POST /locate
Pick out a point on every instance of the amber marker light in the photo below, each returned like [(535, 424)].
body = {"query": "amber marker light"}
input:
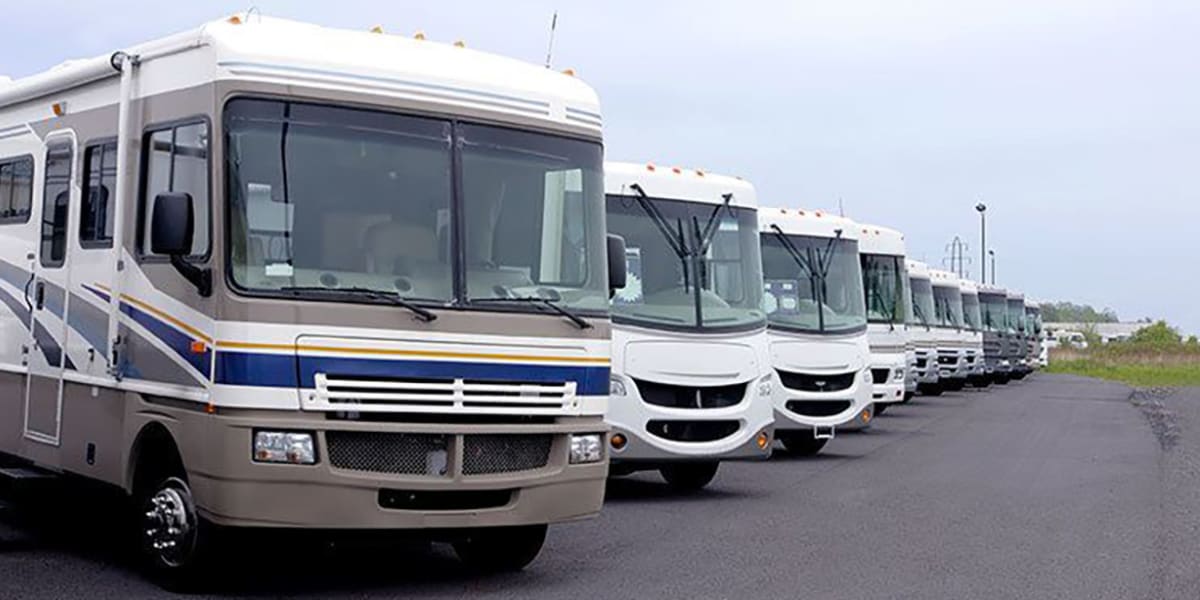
[(762, 440), (618, 441)]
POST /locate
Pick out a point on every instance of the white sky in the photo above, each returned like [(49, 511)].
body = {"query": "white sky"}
[(1077, 122)]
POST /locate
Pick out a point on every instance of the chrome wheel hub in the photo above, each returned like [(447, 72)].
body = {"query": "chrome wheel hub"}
[(169, 526)]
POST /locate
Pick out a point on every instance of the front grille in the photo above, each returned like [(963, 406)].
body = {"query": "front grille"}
[(971, 359), (683, 396), (947, 360), (395, 453), (818, 408), (354, 394), (692, 431), (880, 375), (921, 363), (489, 454), (809, 382)]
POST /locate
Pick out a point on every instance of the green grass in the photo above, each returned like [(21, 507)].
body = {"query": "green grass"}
[(1137, 374)]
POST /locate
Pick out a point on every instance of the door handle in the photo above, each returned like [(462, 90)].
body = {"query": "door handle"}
[(40, 295)]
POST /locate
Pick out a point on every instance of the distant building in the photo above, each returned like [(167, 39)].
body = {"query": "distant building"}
[(1107, 331)]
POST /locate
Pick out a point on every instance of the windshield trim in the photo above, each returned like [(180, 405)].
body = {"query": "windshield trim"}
[(458, 301), (624, 321), (848, 331)]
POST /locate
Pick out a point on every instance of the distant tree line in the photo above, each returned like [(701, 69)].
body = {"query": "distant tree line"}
[(1069, 312)]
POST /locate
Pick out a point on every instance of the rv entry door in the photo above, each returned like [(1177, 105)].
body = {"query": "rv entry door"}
[(48, 291)]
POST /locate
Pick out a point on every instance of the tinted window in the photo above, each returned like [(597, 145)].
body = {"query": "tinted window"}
[(100, 185), (16, 190), (55, 200), (176, 160)]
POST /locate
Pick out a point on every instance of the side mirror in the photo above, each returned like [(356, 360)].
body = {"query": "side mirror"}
[(172, 228), (171, 224), (616, 264)]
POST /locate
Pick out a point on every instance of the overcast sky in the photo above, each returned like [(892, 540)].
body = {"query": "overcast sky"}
[(1077, 122)]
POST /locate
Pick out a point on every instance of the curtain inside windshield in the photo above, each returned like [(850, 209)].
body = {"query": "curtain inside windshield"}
[(922, 299), (994, 312), (884, 280), (822, 272), (971, 316), (947, 306), (680, 277)]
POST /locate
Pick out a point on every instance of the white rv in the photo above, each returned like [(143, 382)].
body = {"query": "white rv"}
[(972, 334), (1018, 343), (691, 378), (885, 287), (817, 323), (997, 356), (268, 274), (948, 325), (920, 331)]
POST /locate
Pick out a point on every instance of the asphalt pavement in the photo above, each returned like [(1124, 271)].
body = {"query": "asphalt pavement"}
[(1055, 487)]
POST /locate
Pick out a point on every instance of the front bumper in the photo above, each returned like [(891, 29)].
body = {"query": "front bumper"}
[(233, 490), (926, 366), (857, 412), (632, 417)]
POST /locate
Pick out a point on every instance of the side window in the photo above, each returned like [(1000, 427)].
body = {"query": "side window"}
[(100, 187), (16, 190), (56, 199), (176, 160)]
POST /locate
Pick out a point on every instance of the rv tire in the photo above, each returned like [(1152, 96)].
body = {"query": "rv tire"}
[(689, 476), (501, 549), (801, 442)]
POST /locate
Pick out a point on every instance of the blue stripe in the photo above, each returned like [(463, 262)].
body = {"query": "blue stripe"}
[(243, 368), (177, 341), (276, 370)]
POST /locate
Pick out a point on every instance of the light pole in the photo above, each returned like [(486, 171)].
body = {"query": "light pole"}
[(992, 253), (982, 208)]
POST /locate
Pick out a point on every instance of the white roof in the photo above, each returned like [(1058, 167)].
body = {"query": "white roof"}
[(968, 287), (987, 288), (944, 278), (876, 239), (1015, 295), (257, 48), (802, 221), (917, 269), (677, 183)]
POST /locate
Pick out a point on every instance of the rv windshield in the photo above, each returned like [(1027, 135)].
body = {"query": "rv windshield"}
[(326, 197), (922, 299), (971, 314), (884, 281), (661, 289), (947, 306), (994, 312), (1016, 315), (795, 288)]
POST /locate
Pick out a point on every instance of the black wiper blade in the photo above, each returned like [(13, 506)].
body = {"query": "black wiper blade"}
[(579, 321), (419, 312)]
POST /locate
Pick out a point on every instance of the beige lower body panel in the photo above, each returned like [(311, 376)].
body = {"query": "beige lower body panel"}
[(233, 490)]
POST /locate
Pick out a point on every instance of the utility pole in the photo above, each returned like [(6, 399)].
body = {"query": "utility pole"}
[(982, 208)]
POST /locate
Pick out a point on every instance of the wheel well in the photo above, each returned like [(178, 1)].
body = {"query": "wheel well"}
[(154, 456)]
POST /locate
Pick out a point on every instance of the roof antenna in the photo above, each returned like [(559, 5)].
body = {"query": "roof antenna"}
[(550, 47), (841, 210)]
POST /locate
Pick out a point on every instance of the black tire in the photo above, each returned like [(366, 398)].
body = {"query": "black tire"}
[(501, 549), (907, 396), (1000, 379), (955, 385), (176, 545), (802, 443), (932, 389), (689, 476), (880, 409), (981, 381)]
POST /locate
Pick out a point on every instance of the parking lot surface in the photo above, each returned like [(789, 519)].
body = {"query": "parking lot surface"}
[(1055, 487)]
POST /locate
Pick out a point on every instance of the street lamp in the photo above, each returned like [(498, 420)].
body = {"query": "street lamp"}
[(992, 253), (982, 208)]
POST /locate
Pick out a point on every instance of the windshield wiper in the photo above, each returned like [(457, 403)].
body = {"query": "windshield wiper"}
[(921, 315), (421, 313), (539, 301), (676, 242)]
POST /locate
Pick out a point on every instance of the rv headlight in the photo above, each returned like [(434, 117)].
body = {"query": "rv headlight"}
[(284, 447), (898, 374), (866, 376), (616, 387), (586, 448), (764, 385)]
